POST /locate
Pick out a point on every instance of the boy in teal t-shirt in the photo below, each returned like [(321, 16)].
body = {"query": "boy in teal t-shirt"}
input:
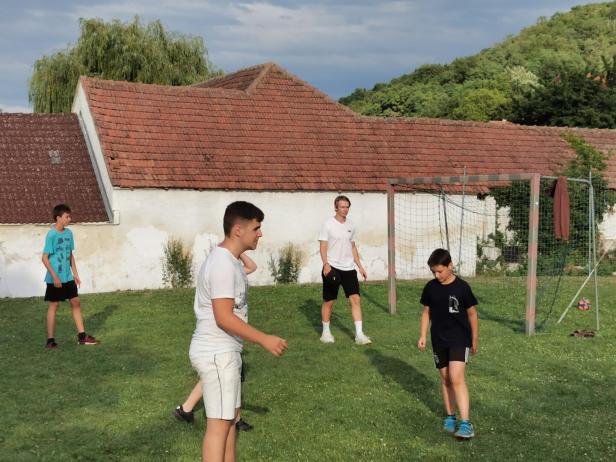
[(62, 278)]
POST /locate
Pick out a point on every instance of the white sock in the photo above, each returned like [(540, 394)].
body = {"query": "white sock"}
[(358, 328), (326, 327)]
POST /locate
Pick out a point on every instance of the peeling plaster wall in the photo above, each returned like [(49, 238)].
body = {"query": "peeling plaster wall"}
[(129, 255)]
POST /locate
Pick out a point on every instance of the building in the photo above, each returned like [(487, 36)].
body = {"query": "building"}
[(152, 162)]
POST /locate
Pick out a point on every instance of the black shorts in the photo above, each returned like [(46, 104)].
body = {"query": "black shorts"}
[(59, 294), (336, 278), (443, 355)]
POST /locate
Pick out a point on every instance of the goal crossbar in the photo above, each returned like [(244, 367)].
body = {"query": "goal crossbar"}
[(534, 181)]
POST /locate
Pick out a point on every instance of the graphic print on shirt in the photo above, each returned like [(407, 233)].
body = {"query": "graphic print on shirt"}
[(454, 304)]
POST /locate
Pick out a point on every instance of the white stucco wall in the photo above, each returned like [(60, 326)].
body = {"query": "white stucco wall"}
[(129, 255)]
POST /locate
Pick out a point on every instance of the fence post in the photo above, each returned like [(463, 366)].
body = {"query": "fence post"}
[(533, 234), (391, 247)]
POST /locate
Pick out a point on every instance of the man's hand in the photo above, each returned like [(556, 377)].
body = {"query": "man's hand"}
[(77, 280), (421, 343), (474, 347), (363, 273), (326, 269), (57, 282), (275, 345)]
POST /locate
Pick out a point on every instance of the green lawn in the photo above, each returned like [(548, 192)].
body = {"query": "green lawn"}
[(546, 398)]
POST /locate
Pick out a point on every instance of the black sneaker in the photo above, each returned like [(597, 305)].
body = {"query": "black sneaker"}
[(242, 425), (86, 340), (51, 344), (183, 416)]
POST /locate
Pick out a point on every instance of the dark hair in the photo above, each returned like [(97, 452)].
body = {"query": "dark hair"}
[(240, 210), (60, 210), (439, 257), (341, 198)]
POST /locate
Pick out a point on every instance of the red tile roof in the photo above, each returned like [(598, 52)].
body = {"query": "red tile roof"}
[(264, 129), (44, 161)]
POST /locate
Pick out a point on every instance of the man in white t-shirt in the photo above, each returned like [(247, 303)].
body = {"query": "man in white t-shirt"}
[(221, 310), (340, 257)]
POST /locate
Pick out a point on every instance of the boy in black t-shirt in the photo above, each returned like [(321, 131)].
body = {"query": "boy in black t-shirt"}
[(450, 311)]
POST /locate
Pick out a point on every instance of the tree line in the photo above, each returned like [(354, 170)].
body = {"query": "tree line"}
[(559, 72)]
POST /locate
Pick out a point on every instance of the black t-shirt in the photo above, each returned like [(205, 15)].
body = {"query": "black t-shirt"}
[(448, 304)]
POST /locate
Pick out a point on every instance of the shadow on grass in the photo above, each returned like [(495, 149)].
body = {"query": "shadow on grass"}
[(261, 410), (370, 298), (311, 309), (410, 379), (99, 319), (516, 325)]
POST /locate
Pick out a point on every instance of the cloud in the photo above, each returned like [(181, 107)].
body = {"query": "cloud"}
[(336, 45)]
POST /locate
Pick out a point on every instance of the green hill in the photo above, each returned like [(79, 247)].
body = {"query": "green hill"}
[(548, 74)]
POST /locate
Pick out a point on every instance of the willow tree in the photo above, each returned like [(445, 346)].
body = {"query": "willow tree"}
[(118, 51)]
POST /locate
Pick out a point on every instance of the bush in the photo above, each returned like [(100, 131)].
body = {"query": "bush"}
[(177, 265), (285, 269)]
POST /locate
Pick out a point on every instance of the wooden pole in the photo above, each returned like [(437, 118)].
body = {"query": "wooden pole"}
[(391, 248), (533, 235)]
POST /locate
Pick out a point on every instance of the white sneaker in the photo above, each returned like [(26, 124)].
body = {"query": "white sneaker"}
[(327, 337), (362, 339)]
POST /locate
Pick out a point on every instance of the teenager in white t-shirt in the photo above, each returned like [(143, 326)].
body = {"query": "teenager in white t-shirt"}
[(340, 257), (185, 411), (221, 310)]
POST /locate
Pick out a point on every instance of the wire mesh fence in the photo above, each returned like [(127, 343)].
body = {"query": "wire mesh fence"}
[(486, 226)]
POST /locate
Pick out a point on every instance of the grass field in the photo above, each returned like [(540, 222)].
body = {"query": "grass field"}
[(546, 398)]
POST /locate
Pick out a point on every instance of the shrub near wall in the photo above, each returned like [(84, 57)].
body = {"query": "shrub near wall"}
[(177, 265), (285, 269)]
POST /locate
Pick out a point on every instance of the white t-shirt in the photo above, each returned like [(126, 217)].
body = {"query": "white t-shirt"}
[(221, 276), (339, 237)]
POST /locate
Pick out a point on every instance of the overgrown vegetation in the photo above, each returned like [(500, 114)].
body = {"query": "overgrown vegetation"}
[(560, 71), (177, 265), (572, 254), (286, 267), (118, 51)]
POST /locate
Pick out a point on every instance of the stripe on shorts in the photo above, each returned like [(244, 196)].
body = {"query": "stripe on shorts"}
[(219, 385)]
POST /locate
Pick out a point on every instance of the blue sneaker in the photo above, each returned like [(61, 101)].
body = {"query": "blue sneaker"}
[(465, 430), (449, 424)]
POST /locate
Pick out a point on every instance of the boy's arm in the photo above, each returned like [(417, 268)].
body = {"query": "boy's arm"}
[(362, 271), (230, 323), (323, 252), (249, 265), (473, 319), (74, 268), (423, 328), (54, 276)]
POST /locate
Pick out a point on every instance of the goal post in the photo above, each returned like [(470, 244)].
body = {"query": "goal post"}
[(495, 224)]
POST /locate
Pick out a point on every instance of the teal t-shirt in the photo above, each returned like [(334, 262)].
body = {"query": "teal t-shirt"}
[(58, 246)]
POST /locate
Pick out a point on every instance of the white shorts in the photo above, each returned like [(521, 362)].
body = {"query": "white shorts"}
[(222, 386)]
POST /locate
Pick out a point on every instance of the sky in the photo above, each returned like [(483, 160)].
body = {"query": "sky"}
[(336, 45)]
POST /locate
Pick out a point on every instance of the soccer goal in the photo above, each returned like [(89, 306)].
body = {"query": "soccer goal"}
[(500, 225)]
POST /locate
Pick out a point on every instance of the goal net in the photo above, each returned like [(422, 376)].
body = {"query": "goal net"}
[(497, 226)]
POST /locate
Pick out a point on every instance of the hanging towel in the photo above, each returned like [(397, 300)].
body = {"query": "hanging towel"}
[(561, 209)]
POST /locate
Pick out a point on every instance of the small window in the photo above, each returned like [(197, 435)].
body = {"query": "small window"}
[(54, 155)]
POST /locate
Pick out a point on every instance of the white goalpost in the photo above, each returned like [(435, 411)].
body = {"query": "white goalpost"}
[(499, 225)]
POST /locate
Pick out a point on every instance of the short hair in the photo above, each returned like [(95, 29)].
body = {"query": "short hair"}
[(341, 198), (439, 257), (240, 210), (60, 210)]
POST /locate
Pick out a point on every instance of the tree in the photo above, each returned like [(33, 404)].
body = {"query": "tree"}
[(482, 104), (118, 51), (496, 82), (571, 99)]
